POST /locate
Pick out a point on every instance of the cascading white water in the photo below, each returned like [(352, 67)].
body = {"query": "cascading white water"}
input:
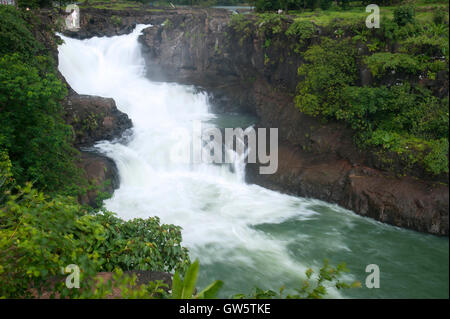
[(220, 214)]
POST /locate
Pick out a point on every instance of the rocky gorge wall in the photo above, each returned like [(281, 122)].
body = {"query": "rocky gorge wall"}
[(316, 159)]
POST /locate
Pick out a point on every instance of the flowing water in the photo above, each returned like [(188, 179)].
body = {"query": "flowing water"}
[(243, 234)]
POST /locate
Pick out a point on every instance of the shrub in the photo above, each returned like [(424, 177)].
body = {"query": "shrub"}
[(329, 68), (270, 23), (384, 62), (39, 235), (439, 16), (404, 15), (115, 20), (15, 35), (35, 135), (436, 160), (301, 29), (141, 244), (404, 119), (33, 132), (434, 46)]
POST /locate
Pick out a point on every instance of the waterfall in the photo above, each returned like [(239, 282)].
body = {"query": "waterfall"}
[(243, 234)]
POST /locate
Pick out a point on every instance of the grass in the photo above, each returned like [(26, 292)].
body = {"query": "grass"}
[(116, 5), (123, 4), (424, 13)]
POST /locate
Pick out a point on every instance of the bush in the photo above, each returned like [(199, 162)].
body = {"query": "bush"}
[(439, 16), (385, 62), (404, 15), (15, 35), (435, 46), (270, 23), (115, 20), (301, 29), (404, 119), (436, 160), (34, 133), (31, 125), (141, 244), (329, 68), (39, 236)]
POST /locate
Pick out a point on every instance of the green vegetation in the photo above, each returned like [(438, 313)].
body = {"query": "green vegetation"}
[(382, 63), (400, 116), (115, 20), (32, 130), (40, 235), (397, 115), (404, 15), (314, 287)]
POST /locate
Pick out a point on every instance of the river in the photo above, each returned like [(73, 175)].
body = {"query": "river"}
[(243, 234)]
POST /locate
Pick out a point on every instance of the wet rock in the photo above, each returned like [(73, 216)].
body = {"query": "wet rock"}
[(102, 176), (403, 202), (94, 118), (365, 76)]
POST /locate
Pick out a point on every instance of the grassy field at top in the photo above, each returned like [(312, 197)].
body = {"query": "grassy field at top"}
[(424, 13)]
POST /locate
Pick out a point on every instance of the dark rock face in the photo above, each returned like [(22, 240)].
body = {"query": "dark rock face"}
[(94, 118), (101, 173), (102, 22), (315, 159), (404, 202), (143, 277)]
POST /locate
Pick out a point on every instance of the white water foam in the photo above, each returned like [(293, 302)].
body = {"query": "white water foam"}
[(215, 207)]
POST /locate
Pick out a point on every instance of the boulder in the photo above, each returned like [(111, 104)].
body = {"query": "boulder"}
[(94, 118), (102, 176)]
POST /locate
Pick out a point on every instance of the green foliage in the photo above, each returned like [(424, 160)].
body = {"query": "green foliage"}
[(273, 5), (404, 15), (439, 17), (314, 287), (330, 67), (15, 36), (240, 23), (115, 20), (325, 4), (37, 140), (436, 160), (385, 62), (39, 235), (434, 46), (32, 4), (31, 125), (270, 24), (185, 288), (242, 26), (405, 119), (301, 29), (141, 244)]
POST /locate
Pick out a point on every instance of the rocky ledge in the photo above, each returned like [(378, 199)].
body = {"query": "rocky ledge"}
[(94, 118)]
